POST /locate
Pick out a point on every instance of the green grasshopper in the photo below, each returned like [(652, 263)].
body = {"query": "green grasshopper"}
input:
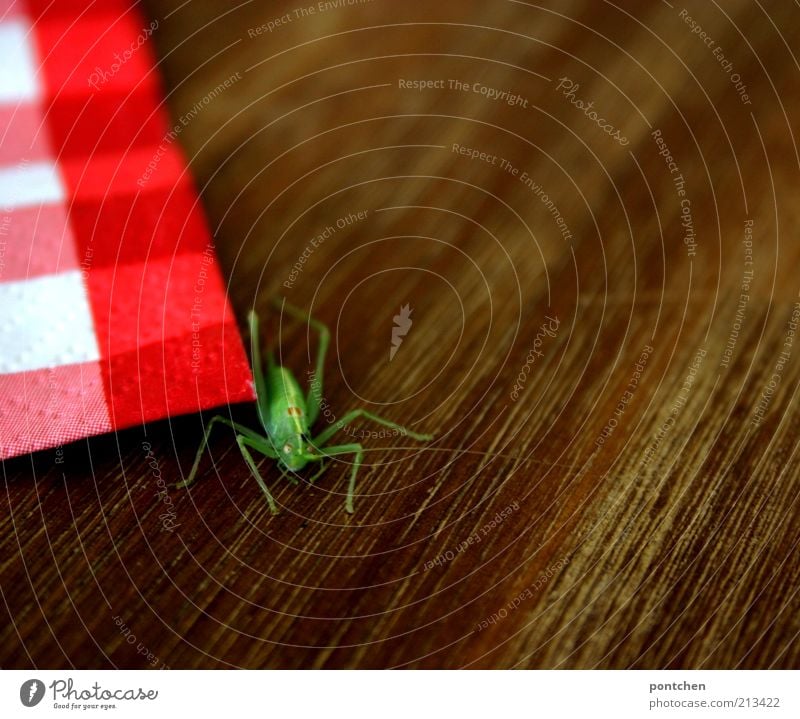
[(286, 417)]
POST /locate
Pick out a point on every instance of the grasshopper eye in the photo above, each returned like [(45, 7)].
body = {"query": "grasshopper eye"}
[(287, 448)]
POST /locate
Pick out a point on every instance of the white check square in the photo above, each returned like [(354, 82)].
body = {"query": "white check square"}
[(30, 184), (17, 70), (45, 322)]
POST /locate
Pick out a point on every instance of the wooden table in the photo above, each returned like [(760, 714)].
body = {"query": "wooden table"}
[(601, 338)]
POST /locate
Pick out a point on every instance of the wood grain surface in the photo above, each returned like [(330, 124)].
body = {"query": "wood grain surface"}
[(602, 342)]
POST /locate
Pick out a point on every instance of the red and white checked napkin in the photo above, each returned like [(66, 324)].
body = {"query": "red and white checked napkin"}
[(113, 312)]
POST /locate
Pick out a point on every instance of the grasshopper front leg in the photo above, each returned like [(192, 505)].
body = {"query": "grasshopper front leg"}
[(259, 446), (358, 451)]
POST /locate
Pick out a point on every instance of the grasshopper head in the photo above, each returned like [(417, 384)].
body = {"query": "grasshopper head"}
[(294, 452)]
